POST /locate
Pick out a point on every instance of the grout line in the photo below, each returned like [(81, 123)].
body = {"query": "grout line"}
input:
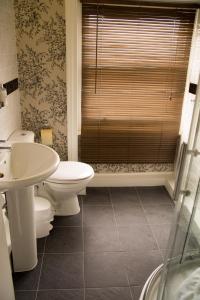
[(117, 229), (157, 224), (138, 196), (25, 291), (153, 235), (130, 289), (106, 287), (75, 289), (44, 244), (156, 242), (40, 273), (70, 289), (83, 240), (67, 253), (102, 204), (115, 219), (81, 252), (61, 226)]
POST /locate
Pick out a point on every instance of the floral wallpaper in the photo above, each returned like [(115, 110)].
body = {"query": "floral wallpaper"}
[(40, 30)]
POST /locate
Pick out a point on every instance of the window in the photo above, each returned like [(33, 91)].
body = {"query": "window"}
[(134, 71)]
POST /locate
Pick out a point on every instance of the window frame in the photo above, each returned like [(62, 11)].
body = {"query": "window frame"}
[(73, 13)]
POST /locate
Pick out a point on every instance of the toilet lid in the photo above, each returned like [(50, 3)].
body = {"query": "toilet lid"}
[(71, 171)]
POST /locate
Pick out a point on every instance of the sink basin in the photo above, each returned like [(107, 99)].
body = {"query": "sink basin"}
[(26, 164)]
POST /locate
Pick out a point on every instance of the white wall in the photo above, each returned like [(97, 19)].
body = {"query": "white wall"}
[(10, 118), (193, 76)]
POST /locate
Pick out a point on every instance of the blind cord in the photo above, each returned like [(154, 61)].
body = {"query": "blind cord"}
[(96, 55)]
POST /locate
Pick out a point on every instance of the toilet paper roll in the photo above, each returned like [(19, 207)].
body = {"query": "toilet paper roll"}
[(46, 136)]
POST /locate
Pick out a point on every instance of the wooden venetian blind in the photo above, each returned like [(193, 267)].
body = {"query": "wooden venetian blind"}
[(134, 71)]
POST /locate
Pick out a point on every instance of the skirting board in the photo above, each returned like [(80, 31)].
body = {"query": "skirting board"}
[(130, 179), (169, 185)]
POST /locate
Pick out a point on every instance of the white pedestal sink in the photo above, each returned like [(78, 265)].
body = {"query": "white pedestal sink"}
[(24, 165)]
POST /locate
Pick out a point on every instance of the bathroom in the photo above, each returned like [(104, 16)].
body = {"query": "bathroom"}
[(109, 248)]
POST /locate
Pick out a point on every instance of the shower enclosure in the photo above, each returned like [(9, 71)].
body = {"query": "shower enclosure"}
[(179, 277)]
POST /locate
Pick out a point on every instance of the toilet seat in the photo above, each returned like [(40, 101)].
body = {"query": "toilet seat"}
[(71, 172)]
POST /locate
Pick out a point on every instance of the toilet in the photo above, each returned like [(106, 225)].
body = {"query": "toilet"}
[(67, 181), (62, 187)]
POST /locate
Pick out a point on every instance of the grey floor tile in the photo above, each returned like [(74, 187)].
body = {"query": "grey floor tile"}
[(26, 295), (40, 245), (124, 195), (136, 237), (115, 293), (161, 233), (98, 216), (106, 265), (97, 190), (27, 280), (136, 291), (101, 239), (105, 269), (159, 214), (97, 196), (62, 271), (60, 221), (140, 264), (129, 215), (154, 195), (64, 240), (128, 190), (61, 295)]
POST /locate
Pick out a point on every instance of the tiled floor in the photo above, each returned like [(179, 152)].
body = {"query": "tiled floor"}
[(104, 253)]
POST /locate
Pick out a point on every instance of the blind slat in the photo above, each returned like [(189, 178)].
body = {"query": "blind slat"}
[(133, 80)]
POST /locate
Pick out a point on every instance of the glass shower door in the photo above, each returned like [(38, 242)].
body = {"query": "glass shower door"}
[(181, 274)]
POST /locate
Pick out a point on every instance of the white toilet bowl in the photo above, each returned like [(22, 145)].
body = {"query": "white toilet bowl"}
[(66, 182)]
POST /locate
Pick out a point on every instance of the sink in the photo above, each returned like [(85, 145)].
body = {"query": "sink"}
[(26, 164), (21, 167)]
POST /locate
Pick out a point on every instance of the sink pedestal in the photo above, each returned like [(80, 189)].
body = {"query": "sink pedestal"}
[(20, 204)]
